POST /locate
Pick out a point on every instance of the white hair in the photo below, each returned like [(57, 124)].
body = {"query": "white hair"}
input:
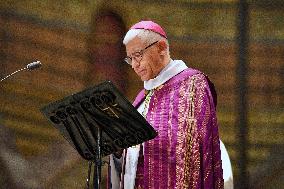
[(146, 36)]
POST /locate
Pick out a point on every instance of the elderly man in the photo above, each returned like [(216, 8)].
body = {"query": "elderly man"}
[(179, 102)]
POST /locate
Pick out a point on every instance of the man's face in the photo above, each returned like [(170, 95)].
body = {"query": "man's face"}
[(150, 65)]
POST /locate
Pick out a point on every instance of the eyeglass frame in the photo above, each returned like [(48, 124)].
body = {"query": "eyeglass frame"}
[(139, 56)]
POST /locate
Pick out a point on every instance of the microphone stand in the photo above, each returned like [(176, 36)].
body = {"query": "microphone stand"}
[(13, 74)]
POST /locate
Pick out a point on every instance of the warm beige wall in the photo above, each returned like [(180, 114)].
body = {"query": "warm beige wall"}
[(202, 34)]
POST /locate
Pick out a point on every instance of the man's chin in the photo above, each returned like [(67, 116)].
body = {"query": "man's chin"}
[(144, 78)]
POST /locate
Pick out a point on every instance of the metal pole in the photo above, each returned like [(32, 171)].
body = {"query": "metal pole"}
[(241, 74), (98, 163), (89, 175)]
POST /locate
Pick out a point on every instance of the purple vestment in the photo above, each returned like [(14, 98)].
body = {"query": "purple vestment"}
[(186, 153)]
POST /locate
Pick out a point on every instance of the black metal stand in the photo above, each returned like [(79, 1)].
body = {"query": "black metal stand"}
[(89, 175), (98, 165), (97, 175), (97, 122)]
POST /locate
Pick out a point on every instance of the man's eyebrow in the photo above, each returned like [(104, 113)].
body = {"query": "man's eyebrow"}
[(135, 51)]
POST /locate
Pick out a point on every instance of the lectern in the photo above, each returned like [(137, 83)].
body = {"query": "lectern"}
[(97, 122)]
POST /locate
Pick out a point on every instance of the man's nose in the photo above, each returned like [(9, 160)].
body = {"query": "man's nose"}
[(135, 63)]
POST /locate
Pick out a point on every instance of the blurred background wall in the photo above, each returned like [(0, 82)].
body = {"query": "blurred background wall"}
[(80, 45)]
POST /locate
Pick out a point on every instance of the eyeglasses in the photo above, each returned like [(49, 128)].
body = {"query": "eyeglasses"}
[(137, 56)]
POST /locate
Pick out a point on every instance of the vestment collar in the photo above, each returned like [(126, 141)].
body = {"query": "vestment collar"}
[(173, 68)]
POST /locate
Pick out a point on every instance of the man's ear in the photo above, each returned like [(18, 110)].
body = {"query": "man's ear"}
[(162, 45)]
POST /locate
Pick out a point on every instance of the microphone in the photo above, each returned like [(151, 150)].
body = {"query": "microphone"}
[(30, 66), (34, 65)]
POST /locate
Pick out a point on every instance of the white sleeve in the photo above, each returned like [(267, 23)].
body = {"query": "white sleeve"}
[(114, 171), (227, 168)]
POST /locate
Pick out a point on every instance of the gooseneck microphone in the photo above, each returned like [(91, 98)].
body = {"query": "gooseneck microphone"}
[(33, 65), (30, 66)]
